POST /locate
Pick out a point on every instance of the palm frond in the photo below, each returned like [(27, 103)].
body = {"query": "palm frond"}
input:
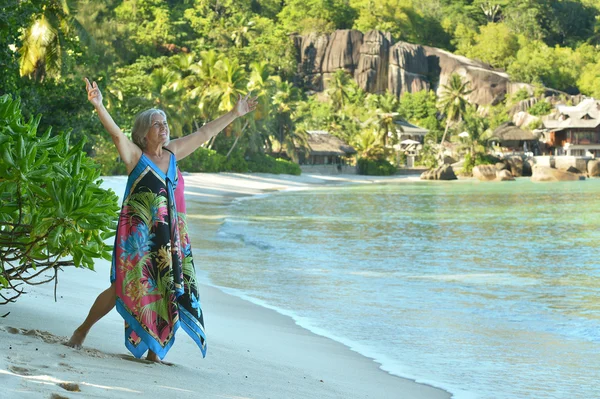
[(160, 307)]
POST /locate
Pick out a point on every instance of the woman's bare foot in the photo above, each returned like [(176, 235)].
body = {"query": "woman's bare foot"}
[(77, 339)]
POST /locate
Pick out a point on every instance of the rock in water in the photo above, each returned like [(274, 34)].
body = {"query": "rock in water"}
[(504, 175), (485, 172), (545, 173), (515, 164), (445, 172), (593, 168)]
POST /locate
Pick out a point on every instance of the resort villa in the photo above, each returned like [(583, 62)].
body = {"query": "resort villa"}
[(410, 140), (328, 154), (574, 131)]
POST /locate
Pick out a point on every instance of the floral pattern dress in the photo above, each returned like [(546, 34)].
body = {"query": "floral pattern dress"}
[(152, 265)]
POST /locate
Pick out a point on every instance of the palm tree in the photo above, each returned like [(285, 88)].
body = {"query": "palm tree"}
[(283, 121), (242, 30), (263, 85), (338, 89), (167, 93), (385, 117), (453, 102), (43, 52), (478, 131)]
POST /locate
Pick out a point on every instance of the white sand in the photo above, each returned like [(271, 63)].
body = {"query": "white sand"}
[(253, 352)]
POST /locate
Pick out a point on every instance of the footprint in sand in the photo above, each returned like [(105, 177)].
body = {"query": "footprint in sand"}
[(69, 386), (45, 336), (20, 370), (143, 361)]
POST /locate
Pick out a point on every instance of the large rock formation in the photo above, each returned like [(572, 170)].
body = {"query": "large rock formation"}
[(491, 173), (372, 70), (544, 173), (378, 65), (593, 168), (444, 172), (408, 69)]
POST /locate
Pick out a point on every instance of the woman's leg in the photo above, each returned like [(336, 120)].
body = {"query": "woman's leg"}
[(152, 357), (103, 304)]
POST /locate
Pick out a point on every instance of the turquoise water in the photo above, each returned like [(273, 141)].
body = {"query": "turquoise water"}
[(489, 290)]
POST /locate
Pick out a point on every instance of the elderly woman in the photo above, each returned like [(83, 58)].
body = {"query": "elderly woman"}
[(153, 280)]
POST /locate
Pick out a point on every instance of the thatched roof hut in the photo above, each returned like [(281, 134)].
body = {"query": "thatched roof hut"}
[(323, 143), (508, 132)]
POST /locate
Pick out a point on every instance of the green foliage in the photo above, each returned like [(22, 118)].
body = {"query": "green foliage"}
[(535, 124), (402, 19), (420, 108), (495, 44), (304, 16), (557, 67), (589, 80), (470, 161), (468, 165), (540, 108), (203, 160), (146, 24), (53, 212), (192, 59), (497, 115), (236, 163), (51, 40), (520, 95), (375, 167), (429, 155), (261, 163), (14, 15), (105, 154)]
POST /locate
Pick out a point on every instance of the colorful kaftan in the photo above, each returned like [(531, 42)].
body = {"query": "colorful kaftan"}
[(152, 265)]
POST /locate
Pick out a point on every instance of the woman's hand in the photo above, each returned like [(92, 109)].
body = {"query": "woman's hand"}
[(94, 95), (245, 105)]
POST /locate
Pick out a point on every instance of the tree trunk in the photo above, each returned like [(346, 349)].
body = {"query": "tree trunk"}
[(441, 154), (237, 139)]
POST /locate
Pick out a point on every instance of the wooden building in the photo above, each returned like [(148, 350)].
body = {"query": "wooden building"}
[(574, 131), (408, 131), (512, 138), (325, 149)]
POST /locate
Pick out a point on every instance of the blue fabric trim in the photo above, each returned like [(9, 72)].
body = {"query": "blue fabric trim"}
[(192, 330), (148, 342)]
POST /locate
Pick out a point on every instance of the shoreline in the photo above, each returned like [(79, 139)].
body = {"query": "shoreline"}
[(253, 351), (273, 184)]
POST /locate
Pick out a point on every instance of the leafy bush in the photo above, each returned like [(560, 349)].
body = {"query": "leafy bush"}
[(236, 163), (53, 212), (209, 161), (203, 160), (535, 124), (106, 155), (521, 94), (540, 108), (479, 159), (261, 163), (375, 167)]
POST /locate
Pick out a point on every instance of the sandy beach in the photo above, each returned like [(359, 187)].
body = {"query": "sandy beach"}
[(253, 352)]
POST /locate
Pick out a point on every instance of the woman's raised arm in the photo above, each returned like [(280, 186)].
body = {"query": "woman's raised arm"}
[(128, 151), (184, 146)]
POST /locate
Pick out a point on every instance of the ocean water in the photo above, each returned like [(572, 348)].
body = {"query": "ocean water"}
[(488, 290)]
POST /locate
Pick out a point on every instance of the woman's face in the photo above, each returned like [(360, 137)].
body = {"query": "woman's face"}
[(158, 134)]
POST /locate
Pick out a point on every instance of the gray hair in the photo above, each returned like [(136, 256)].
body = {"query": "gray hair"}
[(142, 124)]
